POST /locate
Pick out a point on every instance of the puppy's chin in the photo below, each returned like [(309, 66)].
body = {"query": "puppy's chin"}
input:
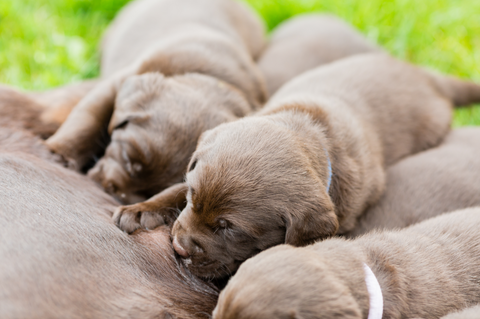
[(111, 186)]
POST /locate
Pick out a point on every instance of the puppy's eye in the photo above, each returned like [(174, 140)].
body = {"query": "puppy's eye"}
[(222, 223), (192, 167), (121, 125)]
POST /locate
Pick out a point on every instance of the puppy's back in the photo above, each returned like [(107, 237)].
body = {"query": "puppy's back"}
[(142, 23), (425, 185), (308, 41)]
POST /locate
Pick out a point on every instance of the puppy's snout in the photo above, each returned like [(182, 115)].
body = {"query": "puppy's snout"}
[(185, 246), (179, 248)]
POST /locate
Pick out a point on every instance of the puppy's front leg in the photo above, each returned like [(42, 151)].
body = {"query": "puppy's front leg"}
[(79, 137), (159, 210)]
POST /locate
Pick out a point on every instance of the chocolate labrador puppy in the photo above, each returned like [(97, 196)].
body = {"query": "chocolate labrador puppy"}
[(172, 70), (307, 165), (42, 112), (63, 258), (433, 182), (425, 271), (305, 42)]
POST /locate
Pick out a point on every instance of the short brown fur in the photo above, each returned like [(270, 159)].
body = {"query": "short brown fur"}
[(172, 69), (305, 42), (439, 180), (263, 180), (425, 271)]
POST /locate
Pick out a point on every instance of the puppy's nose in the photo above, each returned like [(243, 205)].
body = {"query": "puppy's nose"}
[(179, 249)]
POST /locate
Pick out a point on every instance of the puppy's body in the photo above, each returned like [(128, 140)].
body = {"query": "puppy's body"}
[(424, 271), (305, 42), (17, 110), (144, 22), (199, 58), (310, 162), (433, 182), (63, 258), (41, 113)]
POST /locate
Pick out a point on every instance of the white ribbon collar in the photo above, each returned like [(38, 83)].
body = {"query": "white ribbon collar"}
[(375, 292)]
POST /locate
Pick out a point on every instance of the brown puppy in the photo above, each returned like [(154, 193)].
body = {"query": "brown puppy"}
[(433, 182), (305, 42), (425, 271), (309, 163), (201, 54), (19, 111), (40, 112), (59, 102), (469, 313), (63, 258)]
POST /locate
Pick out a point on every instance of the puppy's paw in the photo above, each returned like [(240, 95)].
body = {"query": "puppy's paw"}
[(132, 217), (63, 160)]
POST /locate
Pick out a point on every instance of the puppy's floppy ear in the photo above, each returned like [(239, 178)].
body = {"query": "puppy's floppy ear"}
[(77, 140), (306, 227)]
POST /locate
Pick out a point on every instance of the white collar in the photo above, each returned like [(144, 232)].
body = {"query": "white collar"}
[(375, 292)]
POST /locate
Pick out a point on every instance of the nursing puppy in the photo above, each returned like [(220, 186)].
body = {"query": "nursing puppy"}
[(309, 163), (173, 69), (430, 183), (63, 258), (425, 271), (305, 42)]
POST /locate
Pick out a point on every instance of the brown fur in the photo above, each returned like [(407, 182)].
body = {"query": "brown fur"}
[(433, 182), (305, 42), (425, 271), (262, 181), (40, 112), (63, 258), (172, 70), (59, 102), (20, 111)]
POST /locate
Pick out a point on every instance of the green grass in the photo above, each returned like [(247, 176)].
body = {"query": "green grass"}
[(44, 43)]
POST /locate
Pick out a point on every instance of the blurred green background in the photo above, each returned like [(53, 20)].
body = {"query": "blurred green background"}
[(45, 43)]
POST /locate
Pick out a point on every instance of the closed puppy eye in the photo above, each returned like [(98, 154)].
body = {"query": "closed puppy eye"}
[(192, 167), (122, 124)]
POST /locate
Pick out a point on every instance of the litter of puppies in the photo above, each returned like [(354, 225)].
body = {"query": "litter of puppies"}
[(211, 173)]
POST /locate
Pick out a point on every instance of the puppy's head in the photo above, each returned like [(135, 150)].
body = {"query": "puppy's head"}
[(287, 283), (155, 128), (251, 186)]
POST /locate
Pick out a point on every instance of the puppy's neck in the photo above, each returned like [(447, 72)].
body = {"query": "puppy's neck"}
[(347, 263)]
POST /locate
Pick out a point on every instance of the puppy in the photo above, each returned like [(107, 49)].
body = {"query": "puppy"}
[(425, 271), (63, 258), (173, 69), (59, 102), (433, 182), (40, 112), (469, 313), (309, 163), (305, 42), (18, 110)]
